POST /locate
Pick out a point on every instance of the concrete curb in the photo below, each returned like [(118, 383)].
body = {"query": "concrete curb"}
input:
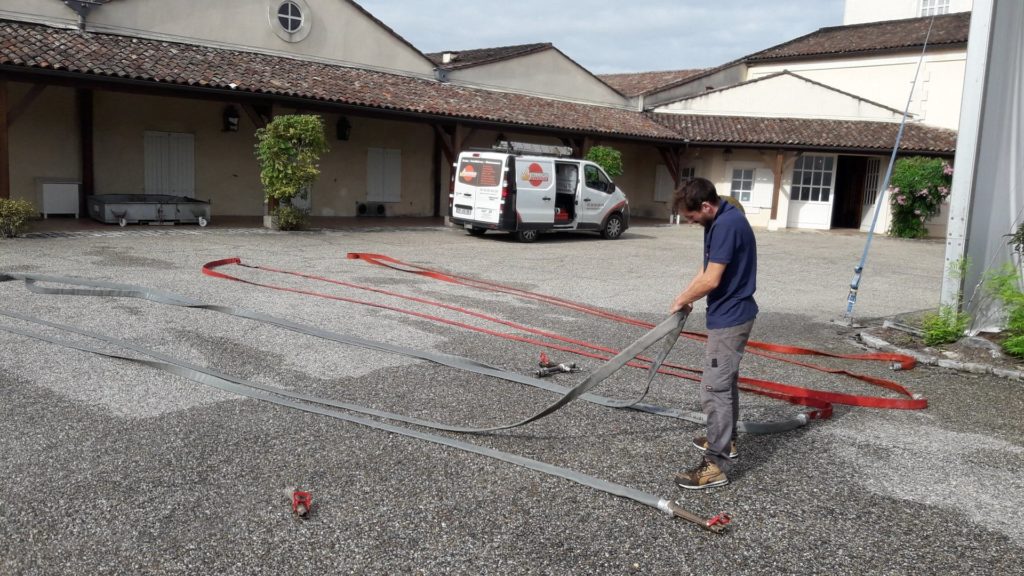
[(972, 367)]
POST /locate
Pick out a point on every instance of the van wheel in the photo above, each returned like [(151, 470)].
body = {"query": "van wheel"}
[(612, 227), (527, 235), (477, 231)]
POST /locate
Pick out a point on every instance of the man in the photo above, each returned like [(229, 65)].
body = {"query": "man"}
[(728, 278)]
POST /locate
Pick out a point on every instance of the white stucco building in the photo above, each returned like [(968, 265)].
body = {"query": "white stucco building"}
[(150, 96)]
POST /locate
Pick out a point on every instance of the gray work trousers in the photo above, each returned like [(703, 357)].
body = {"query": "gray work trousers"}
[(719, 391)]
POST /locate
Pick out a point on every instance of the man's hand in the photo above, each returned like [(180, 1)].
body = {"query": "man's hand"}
[(676, 306)]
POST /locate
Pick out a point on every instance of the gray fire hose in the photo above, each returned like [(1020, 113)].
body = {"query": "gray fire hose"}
[(669, 330)]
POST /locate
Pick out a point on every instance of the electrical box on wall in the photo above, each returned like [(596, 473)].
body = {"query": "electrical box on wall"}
[(58, 197)]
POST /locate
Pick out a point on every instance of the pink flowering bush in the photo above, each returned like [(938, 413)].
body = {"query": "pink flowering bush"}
[(918, 188)]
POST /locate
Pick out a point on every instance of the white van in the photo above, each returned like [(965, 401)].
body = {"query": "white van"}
[(510, 190)]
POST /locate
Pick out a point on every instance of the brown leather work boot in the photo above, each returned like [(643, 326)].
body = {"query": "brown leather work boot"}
[(705, 475)]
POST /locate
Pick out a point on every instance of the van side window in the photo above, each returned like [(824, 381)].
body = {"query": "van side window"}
[(595, 179)]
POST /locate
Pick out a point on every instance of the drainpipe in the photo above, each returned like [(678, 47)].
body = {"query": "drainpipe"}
[(82, 7)]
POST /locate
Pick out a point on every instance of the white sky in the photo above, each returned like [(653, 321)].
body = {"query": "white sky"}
[(608, 36)]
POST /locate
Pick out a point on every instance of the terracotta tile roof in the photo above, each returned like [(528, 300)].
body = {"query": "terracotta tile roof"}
[(808, 133), (637, 83), (841, 41), (33, 47), (890, 35), (480, 56)]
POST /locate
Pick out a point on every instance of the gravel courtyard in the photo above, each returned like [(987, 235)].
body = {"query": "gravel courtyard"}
[(111, 467)]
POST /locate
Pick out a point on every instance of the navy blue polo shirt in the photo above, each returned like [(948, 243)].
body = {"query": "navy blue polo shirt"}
[(730, 241)]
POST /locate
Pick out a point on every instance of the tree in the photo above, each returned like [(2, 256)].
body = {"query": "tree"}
[(607, 158), (289, 150)]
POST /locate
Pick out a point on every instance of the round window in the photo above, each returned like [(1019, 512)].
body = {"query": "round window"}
[(290, 16), (291, 20)]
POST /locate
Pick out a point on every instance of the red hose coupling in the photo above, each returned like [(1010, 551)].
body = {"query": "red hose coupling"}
[(301, 502), (721, 518)]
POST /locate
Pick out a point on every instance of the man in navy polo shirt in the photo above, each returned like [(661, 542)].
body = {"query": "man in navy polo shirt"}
[(728, 278)]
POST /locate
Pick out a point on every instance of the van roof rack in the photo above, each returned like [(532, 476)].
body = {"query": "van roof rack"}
[(530, 148)]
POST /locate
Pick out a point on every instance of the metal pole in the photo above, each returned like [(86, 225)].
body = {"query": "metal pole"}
[(858, 271)]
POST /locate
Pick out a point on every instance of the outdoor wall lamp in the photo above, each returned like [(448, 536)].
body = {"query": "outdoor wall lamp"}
[(343, 128), (231, 119)]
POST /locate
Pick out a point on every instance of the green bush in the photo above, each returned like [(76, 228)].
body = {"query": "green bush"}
[(1004, 284), (607, 158), (290, 218), (917, 189), (1017, 240), (289, 150), (946, 326), (949, 323), (14, 216)]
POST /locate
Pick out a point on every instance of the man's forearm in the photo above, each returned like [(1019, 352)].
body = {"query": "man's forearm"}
[(698, 288)]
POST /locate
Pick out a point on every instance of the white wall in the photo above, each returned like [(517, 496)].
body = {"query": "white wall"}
[(547, 72), (42, 11), (783, 96), (338, 31), (858, 11), (887, 79), (720, 79), (987, 199)]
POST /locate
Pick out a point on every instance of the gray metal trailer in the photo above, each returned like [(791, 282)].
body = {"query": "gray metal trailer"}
[(126, 209)]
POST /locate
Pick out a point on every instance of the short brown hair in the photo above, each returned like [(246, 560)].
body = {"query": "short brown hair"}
[(692, 193)]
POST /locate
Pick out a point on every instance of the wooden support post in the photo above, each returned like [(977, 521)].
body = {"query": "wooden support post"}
[(24, 103), (777, 171), (259, 117), (670, 155), (444, 141), (84, 102), (5, 158)]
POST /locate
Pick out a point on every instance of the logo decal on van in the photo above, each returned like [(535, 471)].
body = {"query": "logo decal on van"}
[(468, 173), (535, 175)]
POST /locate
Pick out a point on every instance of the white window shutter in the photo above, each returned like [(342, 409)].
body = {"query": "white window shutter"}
[(182, 175), (170, 163), (374, 175), (392, 175), (764, 184), (155, 154), (383, 175), (663, 184)]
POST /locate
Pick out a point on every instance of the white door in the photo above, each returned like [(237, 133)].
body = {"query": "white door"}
[(170, 163), (872, 182), (478, 187), (811, 192), (596, 195), (535, 190)]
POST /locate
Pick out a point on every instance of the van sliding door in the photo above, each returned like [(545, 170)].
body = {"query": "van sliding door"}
[(535, 185)]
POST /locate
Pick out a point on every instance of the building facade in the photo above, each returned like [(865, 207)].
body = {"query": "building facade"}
[(158, 98)]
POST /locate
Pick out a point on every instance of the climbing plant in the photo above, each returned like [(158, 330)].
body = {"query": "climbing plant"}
[(917, 189)]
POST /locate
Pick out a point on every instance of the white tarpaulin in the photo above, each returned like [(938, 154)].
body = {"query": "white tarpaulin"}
[(987, 200)]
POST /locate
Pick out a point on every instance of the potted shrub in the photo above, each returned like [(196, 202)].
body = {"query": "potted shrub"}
[(288, 150)]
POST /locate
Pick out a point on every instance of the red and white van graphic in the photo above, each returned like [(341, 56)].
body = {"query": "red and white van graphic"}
[(535, 175)]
